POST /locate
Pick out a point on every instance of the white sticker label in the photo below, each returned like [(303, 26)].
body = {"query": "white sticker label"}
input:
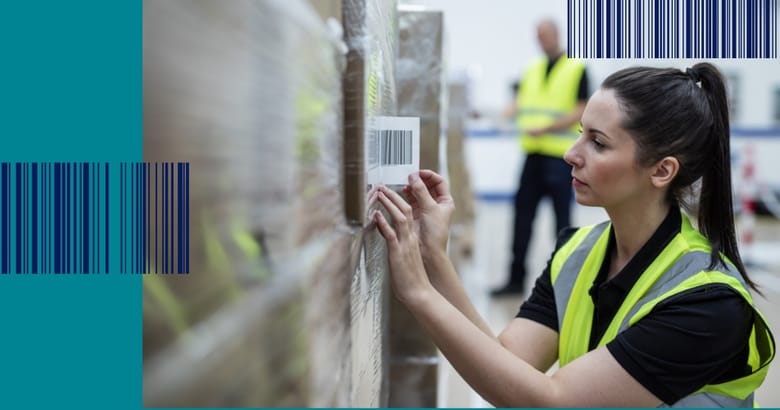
[(392, 149)]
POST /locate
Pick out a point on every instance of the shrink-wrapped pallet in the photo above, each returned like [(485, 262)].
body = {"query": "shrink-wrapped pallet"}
[(249, 93), (419, 74), (370, 32)]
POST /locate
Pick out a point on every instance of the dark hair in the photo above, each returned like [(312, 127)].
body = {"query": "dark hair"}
[(685, 115)]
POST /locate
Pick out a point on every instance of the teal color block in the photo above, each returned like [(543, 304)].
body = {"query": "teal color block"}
[(70, 90)]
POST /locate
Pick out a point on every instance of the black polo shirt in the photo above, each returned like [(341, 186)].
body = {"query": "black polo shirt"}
[(695, 338)]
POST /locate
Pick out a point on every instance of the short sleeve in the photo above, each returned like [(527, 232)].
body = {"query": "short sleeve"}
[(540, 306)]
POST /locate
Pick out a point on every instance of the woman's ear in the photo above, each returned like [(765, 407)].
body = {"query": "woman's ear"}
[(664, 172)]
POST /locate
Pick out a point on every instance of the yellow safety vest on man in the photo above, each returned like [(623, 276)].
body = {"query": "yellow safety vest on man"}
[(544, 98), (681, 266)]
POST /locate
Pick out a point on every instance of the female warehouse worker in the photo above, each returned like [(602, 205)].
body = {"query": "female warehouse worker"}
[(641, 310)]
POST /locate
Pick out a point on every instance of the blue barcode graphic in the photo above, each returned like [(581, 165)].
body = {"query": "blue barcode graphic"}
[(86, 218), (672, 29)]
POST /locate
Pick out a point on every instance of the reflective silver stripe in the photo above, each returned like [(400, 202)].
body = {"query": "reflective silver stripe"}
[(712, 400), (685, 267), (564, 281)]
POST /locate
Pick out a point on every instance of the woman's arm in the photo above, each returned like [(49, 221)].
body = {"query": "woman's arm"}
[(497, 373), (505, 380)]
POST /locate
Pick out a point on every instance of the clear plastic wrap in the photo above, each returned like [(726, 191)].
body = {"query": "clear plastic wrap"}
[(419, 76), (370, 31), (250, 94)]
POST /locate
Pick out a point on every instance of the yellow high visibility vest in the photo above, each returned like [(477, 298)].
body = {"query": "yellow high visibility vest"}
[(542, 99), (682, 265)]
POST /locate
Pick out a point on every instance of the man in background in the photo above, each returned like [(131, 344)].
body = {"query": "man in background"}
[(550, 100)]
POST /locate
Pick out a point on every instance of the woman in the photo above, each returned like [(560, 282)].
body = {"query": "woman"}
[(641, 310)]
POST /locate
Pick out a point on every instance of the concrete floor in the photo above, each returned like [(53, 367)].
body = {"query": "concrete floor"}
[(488, 268)]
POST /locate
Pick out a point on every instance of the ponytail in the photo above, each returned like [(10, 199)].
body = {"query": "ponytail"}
[(695, 130), (716, 209)]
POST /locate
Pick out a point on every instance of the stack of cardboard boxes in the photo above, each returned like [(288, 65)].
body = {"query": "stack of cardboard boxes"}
[(287, 302)]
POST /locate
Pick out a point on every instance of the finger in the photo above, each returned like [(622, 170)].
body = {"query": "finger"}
[(410, 198), (400, 219), (399, 201), (385, 229), (371, 195), (436, 183), (421, 191), (407, 193)]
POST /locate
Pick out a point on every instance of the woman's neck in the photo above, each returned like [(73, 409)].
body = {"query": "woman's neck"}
[(633, 228)]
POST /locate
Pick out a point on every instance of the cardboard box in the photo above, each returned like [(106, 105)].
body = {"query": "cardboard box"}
[(420, 75), (249, 93)]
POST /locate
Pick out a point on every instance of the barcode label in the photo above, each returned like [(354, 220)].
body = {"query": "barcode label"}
[(396, 147), (392, 149), (672, 29), (66, 218)]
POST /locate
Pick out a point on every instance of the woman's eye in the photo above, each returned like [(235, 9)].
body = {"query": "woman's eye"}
[(598, 143)]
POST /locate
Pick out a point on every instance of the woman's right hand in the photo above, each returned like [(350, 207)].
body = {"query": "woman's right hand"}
[(432, 206)]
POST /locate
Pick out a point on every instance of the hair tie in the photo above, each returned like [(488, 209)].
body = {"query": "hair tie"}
[(694, 74)]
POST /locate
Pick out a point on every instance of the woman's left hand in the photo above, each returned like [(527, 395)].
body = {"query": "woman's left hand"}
[(410, 282)]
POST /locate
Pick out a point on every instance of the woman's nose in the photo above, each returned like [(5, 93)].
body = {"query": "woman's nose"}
[(571, 156)]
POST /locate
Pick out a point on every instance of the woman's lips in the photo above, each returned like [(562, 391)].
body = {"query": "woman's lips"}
[(576, 183)]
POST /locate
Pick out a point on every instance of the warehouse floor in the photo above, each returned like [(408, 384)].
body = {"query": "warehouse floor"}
[(488, 268)]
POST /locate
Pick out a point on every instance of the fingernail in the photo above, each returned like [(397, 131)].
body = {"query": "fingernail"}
[(414, 177)]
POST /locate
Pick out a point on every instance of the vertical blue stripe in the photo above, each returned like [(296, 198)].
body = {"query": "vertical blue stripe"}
[(95, 169), (148, 216), (21, 220), (187, 219), (122, 218), (171, 218), (179, 216), (105, 178), (34, 210), (18, 217), (57, 218), (688, 24), (608, 25), (143, 218), (732, 27), (619, 28), (6, 243), (749, 37), (68, 211), (723, 28), (22, 214), (568, 27), (584, 34), (68, 234), (85, 218), (138, 214), (639, 29), (599, 25), (156, 207), (165, 218), (656, 30), (43, 235)]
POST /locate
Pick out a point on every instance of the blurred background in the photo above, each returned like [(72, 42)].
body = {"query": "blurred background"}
[(287, 303)]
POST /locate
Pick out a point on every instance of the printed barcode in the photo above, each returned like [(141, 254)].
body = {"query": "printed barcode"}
[(395, 147), (58, 217), (672, 29)]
